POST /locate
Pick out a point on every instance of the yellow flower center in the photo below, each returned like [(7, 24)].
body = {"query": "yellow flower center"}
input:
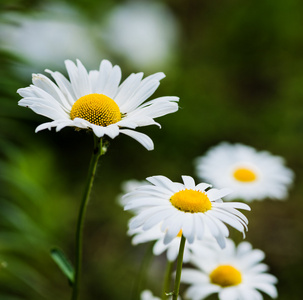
[(97, 109), (191, 201), (245, 175), (225, 275)]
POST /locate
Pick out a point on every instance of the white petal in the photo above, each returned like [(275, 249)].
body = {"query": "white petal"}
[(202, 186), (49, 87), (139, 220), (99, 131), (230, 220), (112, 130), (104, 73), (44, 110), (79, 78), (228, 293), (214, 194), (93, 78), (268, 289), (127, 88), (159, 247), (188, 227), (237, 205), (189, 182), (140, 96), (172, 252), (65, 86), (215, 230), (156, 219), (163, 182), (142, 138), (111, 87)]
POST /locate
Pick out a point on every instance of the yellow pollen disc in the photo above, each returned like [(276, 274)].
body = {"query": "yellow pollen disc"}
[(191, 201), (97, 109), (245, 175), (225, 275)]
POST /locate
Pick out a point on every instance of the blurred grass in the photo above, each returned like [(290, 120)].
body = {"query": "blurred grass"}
[(239, 76)]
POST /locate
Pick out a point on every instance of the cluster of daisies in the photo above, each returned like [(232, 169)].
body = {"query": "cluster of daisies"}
[(164, 211)]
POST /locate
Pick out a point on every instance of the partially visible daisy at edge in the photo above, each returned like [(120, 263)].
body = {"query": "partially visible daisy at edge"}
[(188, 207), (234, 273), (251, 174), (172, 249), (96, 100)]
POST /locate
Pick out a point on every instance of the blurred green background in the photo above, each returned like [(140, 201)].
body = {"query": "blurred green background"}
[(237, 67)]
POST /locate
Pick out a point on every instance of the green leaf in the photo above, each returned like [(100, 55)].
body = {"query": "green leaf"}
[(63, 263)]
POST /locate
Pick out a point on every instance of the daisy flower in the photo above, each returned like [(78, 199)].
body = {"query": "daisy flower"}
[(144, 33), (96, 100), (250, 174), (24, 35), (234, 273), (172, 249), (187, 207)]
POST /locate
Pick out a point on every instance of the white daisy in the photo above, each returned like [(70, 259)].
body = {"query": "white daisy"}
[(252, 175), (234, 273), (187, 207), (96, 100), (24, 35), (144, 33), (172, 248)]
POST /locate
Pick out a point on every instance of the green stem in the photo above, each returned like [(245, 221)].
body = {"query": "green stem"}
[(167, 279), (179, 268), (97, 152)]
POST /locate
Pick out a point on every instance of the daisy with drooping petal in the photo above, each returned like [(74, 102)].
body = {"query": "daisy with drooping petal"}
[(96, 100), (250, 174), (234, 273), (187, 207), (172, 248)]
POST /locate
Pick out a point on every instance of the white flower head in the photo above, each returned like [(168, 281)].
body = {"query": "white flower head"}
[(234, 273), (143, 32), (252, 175), (33, 36), (187, 207), (96, 100), (172, 249)]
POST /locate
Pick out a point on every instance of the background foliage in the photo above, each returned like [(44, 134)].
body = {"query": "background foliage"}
[(238, 69)]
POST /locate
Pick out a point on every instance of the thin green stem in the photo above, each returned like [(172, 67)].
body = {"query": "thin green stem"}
[(97, 152), (167, 279), (179, 268)]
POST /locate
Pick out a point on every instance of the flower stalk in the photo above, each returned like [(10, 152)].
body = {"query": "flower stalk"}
[(167, 279), (179, 268), (98, 151)]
